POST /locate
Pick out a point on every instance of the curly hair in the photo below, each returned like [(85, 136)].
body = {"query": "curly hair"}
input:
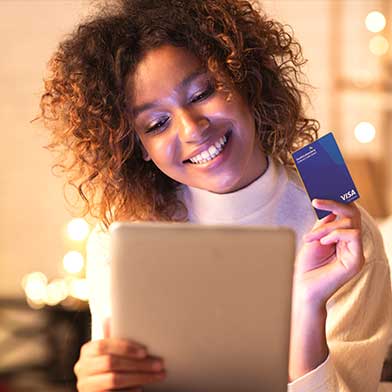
[(84, 104)]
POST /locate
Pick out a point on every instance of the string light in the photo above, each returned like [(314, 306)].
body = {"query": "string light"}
[(78, 229), (78, 288), (375, 21), (34, 285), (73, 262), (365, 132), (40, 293), (378, 45), (56, 291)]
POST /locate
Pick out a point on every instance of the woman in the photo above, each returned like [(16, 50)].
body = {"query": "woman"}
[(188, 111)]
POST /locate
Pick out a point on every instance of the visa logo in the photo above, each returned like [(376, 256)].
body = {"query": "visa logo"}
[(348, 195)]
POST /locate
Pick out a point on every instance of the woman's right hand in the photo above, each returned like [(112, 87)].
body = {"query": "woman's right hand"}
[(112, 363)]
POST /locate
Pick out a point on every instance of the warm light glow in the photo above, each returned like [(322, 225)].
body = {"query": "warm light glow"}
[(379, 45), (78, 229), (56, 291), (375, 21), (35, 305), (34, 285), (73, 262), (79, 289), (362, 78), (365, 132)]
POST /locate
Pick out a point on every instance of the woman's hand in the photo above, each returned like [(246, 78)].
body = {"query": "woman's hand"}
[(331, 255), (111, 363)]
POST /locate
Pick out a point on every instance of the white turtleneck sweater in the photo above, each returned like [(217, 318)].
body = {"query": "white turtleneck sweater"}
[(359, 315)]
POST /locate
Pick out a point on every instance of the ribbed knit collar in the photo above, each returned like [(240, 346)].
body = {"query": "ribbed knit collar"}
[(214, 208)]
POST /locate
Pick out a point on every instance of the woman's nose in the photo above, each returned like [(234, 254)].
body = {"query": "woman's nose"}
[(192, 127)]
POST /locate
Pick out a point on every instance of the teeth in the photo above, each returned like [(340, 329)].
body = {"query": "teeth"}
[(205, 154), (211, 152)]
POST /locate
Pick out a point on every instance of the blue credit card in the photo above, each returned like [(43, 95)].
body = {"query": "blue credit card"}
[(324, 172)]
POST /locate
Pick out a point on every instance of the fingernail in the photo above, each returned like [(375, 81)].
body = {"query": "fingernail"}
[(325, 240)]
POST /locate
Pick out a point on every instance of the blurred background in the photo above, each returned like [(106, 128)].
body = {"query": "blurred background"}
[(44, 316)]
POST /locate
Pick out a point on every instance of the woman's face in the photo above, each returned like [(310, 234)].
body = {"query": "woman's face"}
[(189, 130)]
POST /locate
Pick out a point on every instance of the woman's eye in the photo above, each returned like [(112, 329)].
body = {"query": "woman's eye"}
[(203, 94), (157, 126)]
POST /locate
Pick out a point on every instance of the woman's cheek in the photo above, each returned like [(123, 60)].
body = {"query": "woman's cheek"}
[(163, 150)]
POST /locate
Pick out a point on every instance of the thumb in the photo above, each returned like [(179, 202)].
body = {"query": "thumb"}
[(106, 328)]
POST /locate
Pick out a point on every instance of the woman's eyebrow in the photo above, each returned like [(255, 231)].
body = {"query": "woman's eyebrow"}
[(183, 84)]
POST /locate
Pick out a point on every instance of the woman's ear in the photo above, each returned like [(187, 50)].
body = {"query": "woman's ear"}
[(146, 155)]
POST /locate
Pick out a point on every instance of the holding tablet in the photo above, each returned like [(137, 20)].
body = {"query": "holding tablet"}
[(189, 111)]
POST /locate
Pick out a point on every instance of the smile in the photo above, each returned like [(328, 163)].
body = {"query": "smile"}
[(211, 152)]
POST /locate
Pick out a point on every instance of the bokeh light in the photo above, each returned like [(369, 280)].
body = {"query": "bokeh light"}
[(378, 45), (56, 291), (34, 285), (73, 262), (78, 288), (375, 21), (365, 132), (78, 229)]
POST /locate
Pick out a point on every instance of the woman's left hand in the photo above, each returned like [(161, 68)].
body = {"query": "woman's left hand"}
[(332, 252), (331, 255)]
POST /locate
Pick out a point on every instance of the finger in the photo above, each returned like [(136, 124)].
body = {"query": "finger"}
[(112, 363), (351, 236), (339, 209), (329, 218), (106, 328), (109, 381), (322, 231), (121, 347)]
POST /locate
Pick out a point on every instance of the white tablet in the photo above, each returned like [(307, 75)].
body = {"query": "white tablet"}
[(213, 301)]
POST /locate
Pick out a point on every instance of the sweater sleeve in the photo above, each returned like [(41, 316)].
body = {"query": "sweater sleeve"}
[(98, 278), (359, 318)]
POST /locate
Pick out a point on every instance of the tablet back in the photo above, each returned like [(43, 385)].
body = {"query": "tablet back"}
[(213, 301)]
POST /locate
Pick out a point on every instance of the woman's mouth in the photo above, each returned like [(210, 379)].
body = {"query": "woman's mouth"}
[(211, 152)]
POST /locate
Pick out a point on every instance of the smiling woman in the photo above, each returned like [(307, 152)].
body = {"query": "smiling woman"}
[(179, 122), (177, 110), (90, 103)]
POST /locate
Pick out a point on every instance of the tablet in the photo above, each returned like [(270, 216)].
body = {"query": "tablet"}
[(213, 301)]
